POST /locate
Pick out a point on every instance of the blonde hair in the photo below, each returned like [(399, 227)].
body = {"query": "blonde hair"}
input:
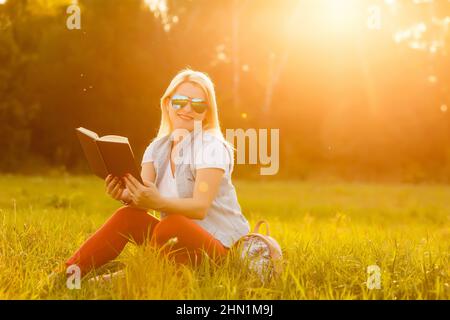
[(201, 79)]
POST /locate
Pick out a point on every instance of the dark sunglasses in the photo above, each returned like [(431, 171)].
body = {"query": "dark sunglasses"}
[(179, 101)]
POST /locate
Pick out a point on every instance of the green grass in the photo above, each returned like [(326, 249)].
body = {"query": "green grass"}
[(330, 233)]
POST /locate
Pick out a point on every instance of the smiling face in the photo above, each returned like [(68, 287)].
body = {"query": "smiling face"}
[(184, 118)]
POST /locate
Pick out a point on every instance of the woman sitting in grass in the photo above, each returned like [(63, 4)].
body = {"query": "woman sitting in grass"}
[(191, 187)]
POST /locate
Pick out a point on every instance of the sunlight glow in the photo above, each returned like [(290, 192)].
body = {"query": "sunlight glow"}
[(342, 18), (413, 36), (160, 10), (157, 6), (342, 13), (2, 1), (432, 79)]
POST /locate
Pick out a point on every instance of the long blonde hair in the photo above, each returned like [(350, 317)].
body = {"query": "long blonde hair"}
[(211, 122)]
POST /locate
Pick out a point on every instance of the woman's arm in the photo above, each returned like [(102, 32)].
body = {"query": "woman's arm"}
[(148, 172), (206, 186)]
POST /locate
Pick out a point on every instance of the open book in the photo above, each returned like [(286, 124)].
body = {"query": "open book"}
[(108, 154)]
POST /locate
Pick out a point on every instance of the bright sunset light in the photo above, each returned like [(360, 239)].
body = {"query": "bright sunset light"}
[(243, 150)]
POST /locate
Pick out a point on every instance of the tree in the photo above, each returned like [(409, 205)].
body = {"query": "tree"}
[(17, 109)]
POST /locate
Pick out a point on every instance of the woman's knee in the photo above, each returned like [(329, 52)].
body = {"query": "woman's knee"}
[(126, 214), (169, 227)]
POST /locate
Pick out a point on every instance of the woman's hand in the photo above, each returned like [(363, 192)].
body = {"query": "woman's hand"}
[(115, 188), (145, 196)]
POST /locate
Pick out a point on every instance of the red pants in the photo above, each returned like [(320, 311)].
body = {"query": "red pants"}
[(129, 223)]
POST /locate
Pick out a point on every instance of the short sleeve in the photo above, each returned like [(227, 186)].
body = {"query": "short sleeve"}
[(148, 154), (213, 153)]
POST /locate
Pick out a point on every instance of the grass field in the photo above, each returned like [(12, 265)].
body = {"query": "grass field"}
[(330, 233)]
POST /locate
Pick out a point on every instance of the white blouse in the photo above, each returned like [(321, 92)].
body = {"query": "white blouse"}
[(212, 154), (224, 219), (168, 187)]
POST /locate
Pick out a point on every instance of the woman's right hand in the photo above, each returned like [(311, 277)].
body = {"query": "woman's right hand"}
[(115, 188)]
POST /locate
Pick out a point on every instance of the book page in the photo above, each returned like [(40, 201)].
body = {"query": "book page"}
[(87, 132), (113, 138)]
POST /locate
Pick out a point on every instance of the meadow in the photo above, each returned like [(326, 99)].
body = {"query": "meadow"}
[(329, 232)]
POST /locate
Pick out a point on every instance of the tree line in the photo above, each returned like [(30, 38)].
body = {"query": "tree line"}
[(360, 107)]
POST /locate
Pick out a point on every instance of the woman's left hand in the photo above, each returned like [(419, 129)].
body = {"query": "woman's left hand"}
[(145, 196)]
